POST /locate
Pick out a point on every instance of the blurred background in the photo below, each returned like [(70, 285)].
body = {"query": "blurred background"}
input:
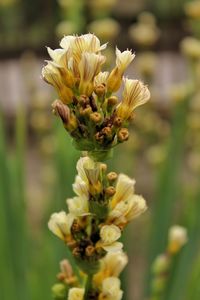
[(37, 160)]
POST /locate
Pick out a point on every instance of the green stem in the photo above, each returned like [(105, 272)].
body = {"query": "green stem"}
[(88, 286)]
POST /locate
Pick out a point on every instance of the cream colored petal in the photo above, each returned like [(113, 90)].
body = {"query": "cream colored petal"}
[(111, 289), (101, 78), (76, 293), (80, 187), (124, 189), (57, 55), (90, 65), (60, 224), (78, 206), (135, 93), (67, 41), (123, 59), (109, 234), (113, 263), (116, 246)]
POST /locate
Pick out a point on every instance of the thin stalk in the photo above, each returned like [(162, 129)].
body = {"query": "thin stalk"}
[(88, 286), (167, 186)]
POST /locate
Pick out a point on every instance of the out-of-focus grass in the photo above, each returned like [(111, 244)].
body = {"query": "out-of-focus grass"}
[(167, 185)]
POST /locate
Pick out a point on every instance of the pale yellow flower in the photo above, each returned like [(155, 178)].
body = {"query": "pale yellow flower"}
[(190, 46), (127, 210), (111, 266), (101, 78), (177, 238), (89, 172), (78, 206), (57, 76), (89, 66), (111, 289), (124, 189), (60, 224), (135, 94), (109, 235), (123, 60), (76, 293), (80, 187)]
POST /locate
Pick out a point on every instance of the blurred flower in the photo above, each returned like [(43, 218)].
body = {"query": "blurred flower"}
[(66, 28), (190, 46), (59, 291), (101, 6), (111, 289), (76, 293), (146, 63), (111, 266), (192, 9), (145, 33), (106, 29), (60, 224), (177, 238)]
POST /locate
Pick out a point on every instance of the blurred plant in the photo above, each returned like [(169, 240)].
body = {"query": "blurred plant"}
[(145, 32), (105, 202), (162, 266)]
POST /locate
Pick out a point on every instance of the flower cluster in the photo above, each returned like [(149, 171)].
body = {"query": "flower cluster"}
[(104, 204), (87, 107)]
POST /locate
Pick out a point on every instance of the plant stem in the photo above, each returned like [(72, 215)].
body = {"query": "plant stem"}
[(88, 286)]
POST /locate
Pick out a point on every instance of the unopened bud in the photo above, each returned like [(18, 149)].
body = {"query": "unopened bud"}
[(61, 110), (75, 227), (86, 111), (112, 176), (112, 101), (161, 264), (107, 131), (110, 191), (83, 100), (100, 89), (123, 135), (177, 238), (89, 251), (59, 291), (76, 252), (99, 137), (103, 167), (96, 117), (117, 121)]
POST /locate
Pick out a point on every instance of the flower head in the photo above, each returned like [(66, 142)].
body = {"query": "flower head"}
[(76, 293), (111, 289), (135, 94), (177, 238), (60, 224), (109, 235)]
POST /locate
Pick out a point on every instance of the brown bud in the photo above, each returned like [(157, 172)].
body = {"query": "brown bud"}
[(112, 101), (89, 251), (117, 121), (123, 135), (110, 191), (96, 117), (100, 90), (75, 227), (107, 131), (83, 100), (76, 252), (72, 244), (86, 111), (99, 137), (61, 276), (61, 110), (112, 176)]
